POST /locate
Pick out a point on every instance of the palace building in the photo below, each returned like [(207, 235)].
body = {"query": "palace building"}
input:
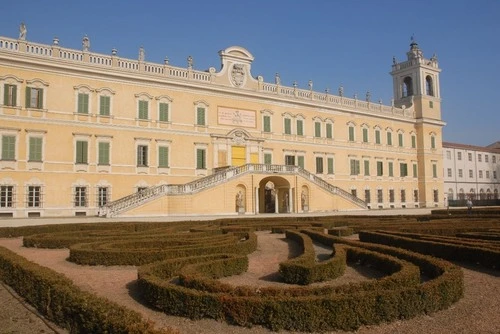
[(92, 134)]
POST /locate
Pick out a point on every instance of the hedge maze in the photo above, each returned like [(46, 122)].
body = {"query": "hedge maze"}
[(180, 264)]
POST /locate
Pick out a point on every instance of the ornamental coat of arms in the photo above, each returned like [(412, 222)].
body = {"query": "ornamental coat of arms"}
[(238, 74)]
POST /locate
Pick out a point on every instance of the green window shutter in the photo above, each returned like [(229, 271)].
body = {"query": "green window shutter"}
[(163, 112), (319, 165), (35, 150), (415, 170), (6, 94), (365, 135), (389, 138), (367, 167), (330, 165), (83, 103), (143, 109), (434, 170), (103, 153), (317, 129), (358, 168), (8, 147), (377, 137), (28, 97), (105, 105), (163, 157), (267, 124), (40, 98), (300, 127), (268, 158), (413, 142), (200, 116), (380, 168), (329, 131), (300, 161), (403, 169), (391, 169), (400, 138), (14, 95), (288, 126), (433, 142), (81, 152), (200, 159), (351, 133)]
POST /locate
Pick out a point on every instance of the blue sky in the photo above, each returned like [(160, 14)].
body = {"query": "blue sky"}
[(332, 43)]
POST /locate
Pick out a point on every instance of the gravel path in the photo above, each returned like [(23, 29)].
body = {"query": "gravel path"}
[(477, 312)]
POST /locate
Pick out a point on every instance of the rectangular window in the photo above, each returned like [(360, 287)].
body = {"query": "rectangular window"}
[(403, 169), (367, 167), (391, 195), (449, 172), (434, 170), (34, 197), (83, 103), (103, 158), (330, 165), (142, 156), (413, 142), (415, 170), (34, 98), (479, 158), (288, 126), (6, 196), (486, 158), (104, 105), (163, 157), (289, 160), (415, 196), (81, 152), (365, 135), (480, 174), (433, 142), (102, 196), (403, 196), (487, 174), (143, 110), (201, 158), (267, 123), (367, 196), (329, 130), (470, 156), (300, 127), (495, 174), (319, 165), (460, 173), (163, 116), (351, 133), (10, 95), (80, 197), (400, 139), (380, 168), (317, 129), (8, 147), (448, 155), (300, 161), (391, 168), (380, 196), (354, 192), (268, 158), (459, 155), (355, 168), (436, 196), (471, 173), (389, 138), (494, 159), (35, 149), (377, 136)]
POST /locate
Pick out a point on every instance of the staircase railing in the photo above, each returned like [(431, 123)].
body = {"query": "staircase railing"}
[(148, 194)]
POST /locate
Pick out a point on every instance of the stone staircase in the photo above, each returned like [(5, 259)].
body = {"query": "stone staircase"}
[(136, 199)]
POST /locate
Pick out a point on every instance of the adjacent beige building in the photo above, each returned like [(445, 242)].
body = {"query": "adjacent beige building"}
[(85, 133)]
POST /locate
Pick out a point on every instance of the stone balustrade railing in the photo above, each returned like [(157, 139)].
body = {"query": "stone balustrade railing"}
[(113, 61), (146, 195)]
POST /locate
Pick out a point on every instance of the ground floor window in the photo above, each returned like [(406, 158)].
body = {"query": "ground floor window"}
[(436, 196), (391, 195), (34, 199), (80, 199), (6, 196), (102, 196), (380, 196), (367, 196)]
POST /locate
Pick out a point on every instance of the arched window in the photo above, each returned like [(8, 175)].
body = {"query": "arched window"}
[(407, 87), (461, 194), (429, 87), (450, 194)]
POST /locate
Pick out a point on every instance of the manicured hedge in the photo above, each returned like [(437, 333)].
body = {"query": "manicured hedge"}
[(60, 301)]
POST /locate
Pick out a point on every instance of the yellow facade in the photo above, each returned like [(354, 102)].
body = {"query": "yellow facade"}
[(80, 131)]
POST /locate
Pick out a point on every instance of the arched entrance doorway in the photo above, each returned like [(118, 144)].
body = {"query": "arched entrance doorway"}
[(275, 195)]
